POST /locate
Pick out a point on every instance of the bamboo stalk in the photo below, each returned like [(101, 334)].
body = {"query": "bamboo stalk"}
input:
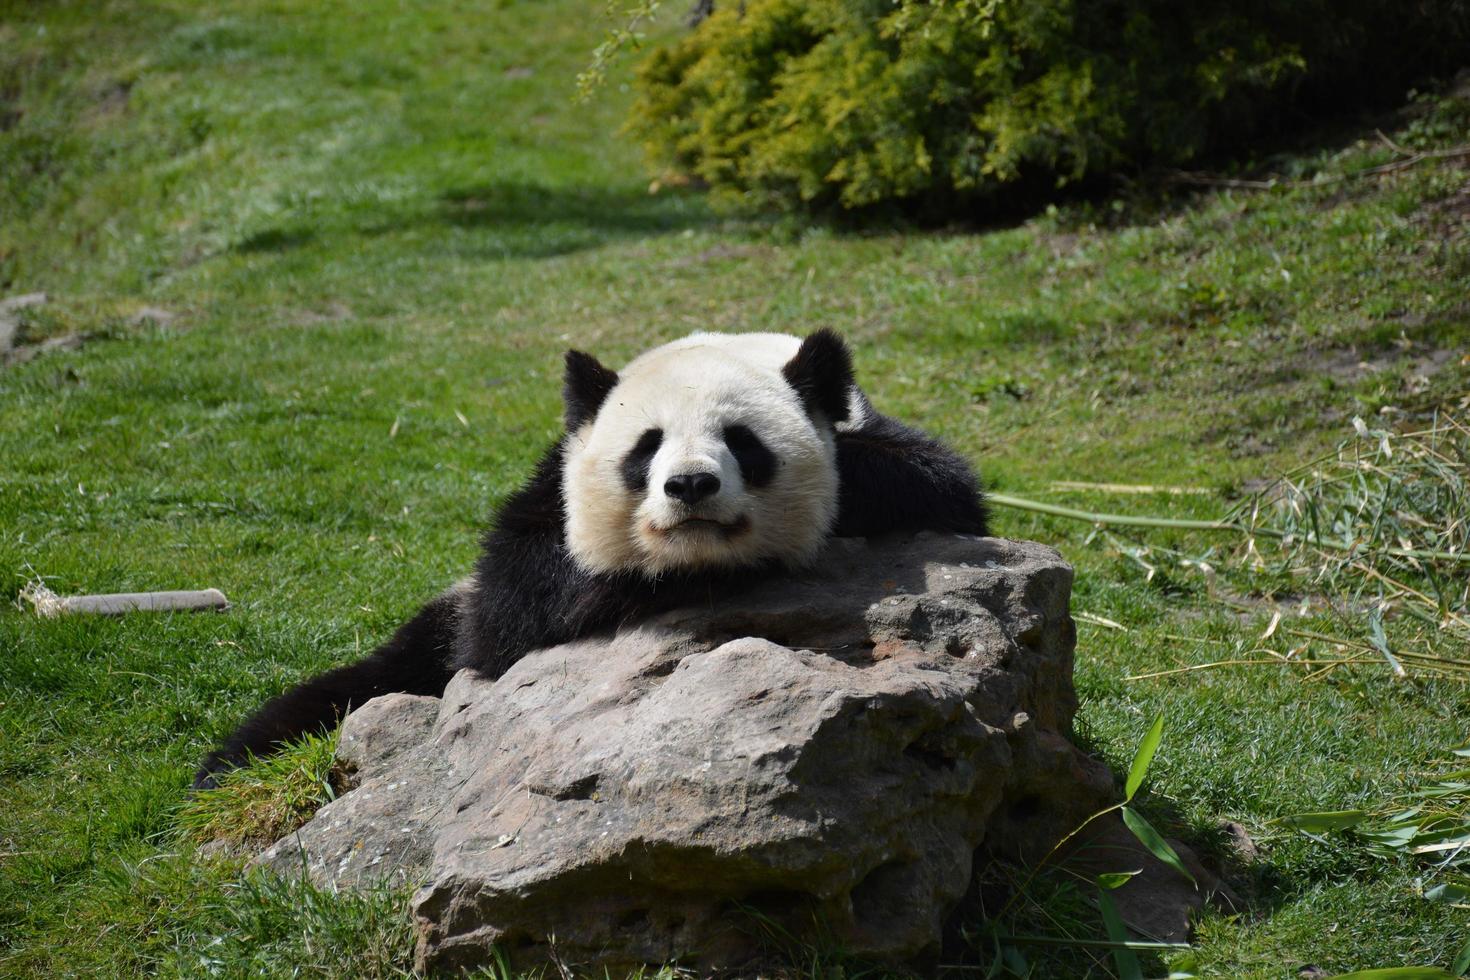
[(1193, 668), (1128, 488), (1129, 520), (1120, 520), (1101, 943), (48, 603)]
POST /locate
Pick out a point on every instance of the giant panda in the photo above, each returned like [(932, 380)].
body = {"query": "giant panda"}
[(704, 464)]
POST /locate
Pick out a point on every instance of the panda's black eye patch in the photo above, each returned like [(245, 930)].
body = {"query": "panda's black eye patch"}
[(634, 466), (757, 463)]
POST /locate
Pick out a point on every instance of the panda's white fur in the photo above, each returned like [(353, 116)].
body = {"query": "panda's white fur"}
[(692, 389)]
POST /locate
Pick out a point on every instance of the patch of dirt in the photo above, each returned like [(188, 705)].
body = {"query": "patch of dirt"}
[(716, 253), (112, 98), (1272, 491), (1060, 244), (12, 324), (155, 315), (1244, 445), (1352, 364), (26, 352), (1448, 217), (332, 312), (1249, 609), (1346, 364), (1238, 839), (12, 319), (31, 325), (1256, 611)]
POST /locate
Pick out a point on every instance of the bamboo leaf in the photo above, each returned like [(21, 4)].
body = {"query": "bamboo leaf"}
[(1126, 960), (1116, 879), (1462, 961), (1143, 758), (1014, 961), (1449, 892), (1155, 842), (1380, 640), (1325, 821)]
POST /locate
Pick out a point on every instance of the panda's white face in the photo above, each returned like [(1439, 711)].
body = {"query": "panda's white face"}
[(702, 455)]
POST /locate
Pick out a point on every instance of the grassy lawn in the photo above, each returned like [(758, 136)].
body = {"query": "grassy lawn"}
[(325, 256)]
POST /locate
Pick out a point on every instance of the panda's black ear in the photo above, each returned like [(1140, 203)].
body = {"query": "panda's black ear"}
[(821, 373), (584, 387)]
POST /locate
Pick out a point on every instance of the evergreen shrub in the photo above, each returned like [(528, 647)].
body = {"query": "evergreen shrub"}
[(863, 102)]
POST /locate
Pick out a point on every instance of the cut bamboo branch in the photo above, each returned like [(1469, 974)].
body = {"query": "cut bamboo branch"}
[(1195, 668), (49, 604), (1117, 520)]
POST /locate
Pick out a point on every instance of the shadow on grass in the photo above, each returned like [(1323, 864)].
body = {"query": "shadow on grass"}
[(1254, 880), (533, 220), (603, 209), (276, 240), (497, 220)]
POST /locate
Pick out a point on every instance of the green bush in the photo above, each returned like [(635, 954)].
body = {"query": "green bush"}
[(861, 102)]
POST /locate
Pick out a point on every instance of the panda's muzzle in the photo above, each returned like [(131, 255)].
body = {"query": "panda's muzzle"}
[(691, 488), (692, 498)]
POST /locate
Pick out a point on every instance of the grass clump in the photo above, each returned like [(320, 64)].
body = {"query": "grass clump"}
[(1386, 515), (1380, 528), (1376, 530), (266, 800), (268, 926), (1425, 829)]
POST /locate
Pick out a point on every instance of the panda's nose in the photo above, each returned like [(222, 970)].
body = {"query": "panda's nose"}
[(692, 487)]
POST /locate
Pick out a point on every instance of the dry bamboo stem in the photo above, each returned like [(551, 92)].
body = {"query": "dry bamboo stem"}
[(49, 604)]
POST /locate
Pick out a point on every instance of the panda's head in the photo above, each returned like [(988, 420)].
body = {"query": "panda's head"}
[(711, 452)]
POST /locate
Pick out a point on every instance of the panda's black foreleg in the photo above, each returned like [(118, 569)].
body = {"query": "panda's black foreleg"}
[(414, 661), (894, 478)]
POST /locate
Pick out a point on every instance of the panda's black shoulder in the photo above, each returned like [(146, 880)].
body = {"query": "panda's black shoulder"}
[(894, 477), (535, 509)]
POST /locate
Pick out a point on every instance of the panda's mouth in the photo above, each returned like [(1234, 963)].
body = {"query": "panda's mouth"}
[(708, 525)]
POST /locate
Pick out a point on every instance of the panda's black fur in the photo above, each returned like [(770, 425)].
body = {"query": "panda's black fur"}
[(529, 592)]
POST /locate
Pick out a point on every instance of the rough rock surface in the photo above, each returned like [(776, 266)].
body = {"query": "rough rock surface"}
[(1157, 902), (826, 749)]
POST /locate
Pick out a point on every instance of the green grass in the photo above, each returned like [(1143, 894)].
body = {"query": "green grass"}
[(255, 806), (376, 226)]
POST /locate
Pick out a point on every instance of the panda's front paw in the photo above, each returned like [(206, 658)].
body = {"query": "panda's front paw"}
[(214, 765)]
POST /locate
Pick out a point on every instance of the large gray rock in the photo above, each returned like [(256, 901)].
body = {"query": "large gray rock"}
[(825, 753)]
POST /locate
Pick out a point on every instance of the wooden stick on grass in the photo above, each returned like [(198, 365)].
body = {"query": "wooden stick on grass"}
[(49, 604)]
